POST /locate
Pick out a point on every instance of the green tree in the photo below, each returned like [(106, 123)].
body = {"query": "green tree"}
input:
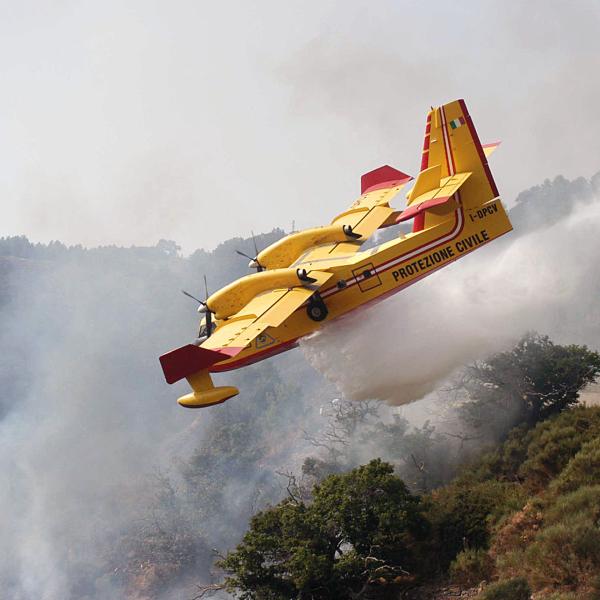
[(531, 382), (359, 536)]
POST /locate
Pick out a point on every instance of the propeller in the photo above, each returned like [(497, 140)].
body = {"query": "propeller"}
[(203, 308), (253, 264)]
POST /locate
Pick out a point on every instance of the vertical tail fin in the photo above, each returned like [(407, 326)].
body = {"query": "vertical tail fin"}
[(451, 141), (451, 149)]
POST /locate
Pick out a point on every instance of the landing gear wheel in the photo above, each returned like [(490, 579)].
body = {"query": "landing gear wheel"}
[(316, 310)]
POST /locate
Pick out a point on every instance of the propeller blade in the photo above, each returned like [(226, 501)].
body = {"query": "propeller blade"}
[(192, 297), (254, 242), (205, 288), (254, 264), (244, 255)]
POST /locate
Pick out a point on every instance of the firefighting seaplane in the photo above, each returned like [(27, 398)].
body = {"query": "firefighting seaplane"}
[(313, 276)]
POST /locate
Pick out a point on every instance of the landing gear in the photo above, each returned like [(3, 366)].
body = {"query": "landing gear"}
[(316, 309)]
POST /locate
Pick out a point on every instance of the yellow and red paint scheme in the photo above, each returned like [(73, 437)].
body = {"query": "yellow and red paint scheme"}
[(455, 209)]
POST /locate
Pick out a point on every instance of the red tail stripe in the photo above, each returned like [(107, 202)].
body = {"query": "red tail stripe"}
[(425, 155), (480, 151), (419, 222)]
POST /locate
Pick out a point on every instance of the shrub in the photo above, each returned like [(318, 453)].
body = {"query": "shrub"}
[(557, 548), (511, 589), (535, 456), (464, 513), (520, 528), (582, 505), (564, 554), (552, 444), (471, 567), (582, 470)]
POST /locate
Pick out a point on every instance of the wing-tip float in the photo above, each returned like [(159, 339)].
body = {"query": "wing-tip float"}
[(317, 275)]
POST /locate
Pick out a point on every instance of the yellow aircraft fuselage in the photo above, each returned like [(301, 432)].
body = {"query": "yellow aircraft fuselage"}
[(367, 277)]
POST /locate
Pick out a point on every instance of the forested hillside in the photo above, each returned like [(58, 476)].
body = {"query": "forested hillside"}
[(116, 492)]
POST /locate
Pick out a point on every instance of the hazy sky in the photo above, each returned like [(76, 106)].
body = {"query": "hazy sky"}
[(126, 122)]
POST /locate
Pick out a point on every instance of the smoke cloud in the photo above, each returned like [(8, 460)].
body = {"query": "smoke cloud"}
[(87, 416), (87, 423)]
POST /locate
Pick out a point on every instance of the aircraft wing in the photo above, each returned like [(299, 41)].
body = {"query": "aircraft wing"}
[(372, 209), (269, 309), (232, 335), (366, 215)]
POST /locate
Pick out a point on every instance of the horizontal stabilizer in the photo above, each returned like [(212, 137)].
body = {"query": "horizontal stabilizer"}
[(188, 360), (427, 180), (383, 177), (434, 197), (414, 210)]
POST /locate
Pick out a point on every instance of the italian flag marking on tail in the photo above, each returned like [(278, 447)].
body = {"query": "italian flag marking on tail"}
[(455, 123)]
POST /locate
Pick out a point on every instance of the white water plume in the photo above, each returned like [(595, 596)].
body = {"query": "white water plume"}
[(401, 349)]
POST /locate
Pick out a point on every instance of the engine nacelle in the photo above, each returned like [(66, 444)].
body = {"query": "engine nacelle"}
[(287, 250), (232, 298)]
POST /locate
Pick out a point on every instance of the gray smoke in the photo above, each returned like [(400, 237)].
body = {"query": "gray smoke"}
[(90, 419), (87, 421)]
